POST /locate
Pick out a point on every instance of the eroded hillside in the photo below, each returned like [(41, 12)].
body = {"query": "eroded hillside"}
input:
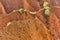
[(27, 26)]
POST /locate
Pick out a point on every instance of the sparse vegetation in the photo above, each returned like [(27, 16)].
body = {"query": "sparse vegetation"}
[(22, 25)]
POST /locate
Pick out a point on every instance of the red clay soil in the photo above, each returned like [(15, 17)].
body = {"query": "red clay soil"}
[(54, 26), (34, 5), (27, 26), (11, 5), (56, 7), (31, 29)]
